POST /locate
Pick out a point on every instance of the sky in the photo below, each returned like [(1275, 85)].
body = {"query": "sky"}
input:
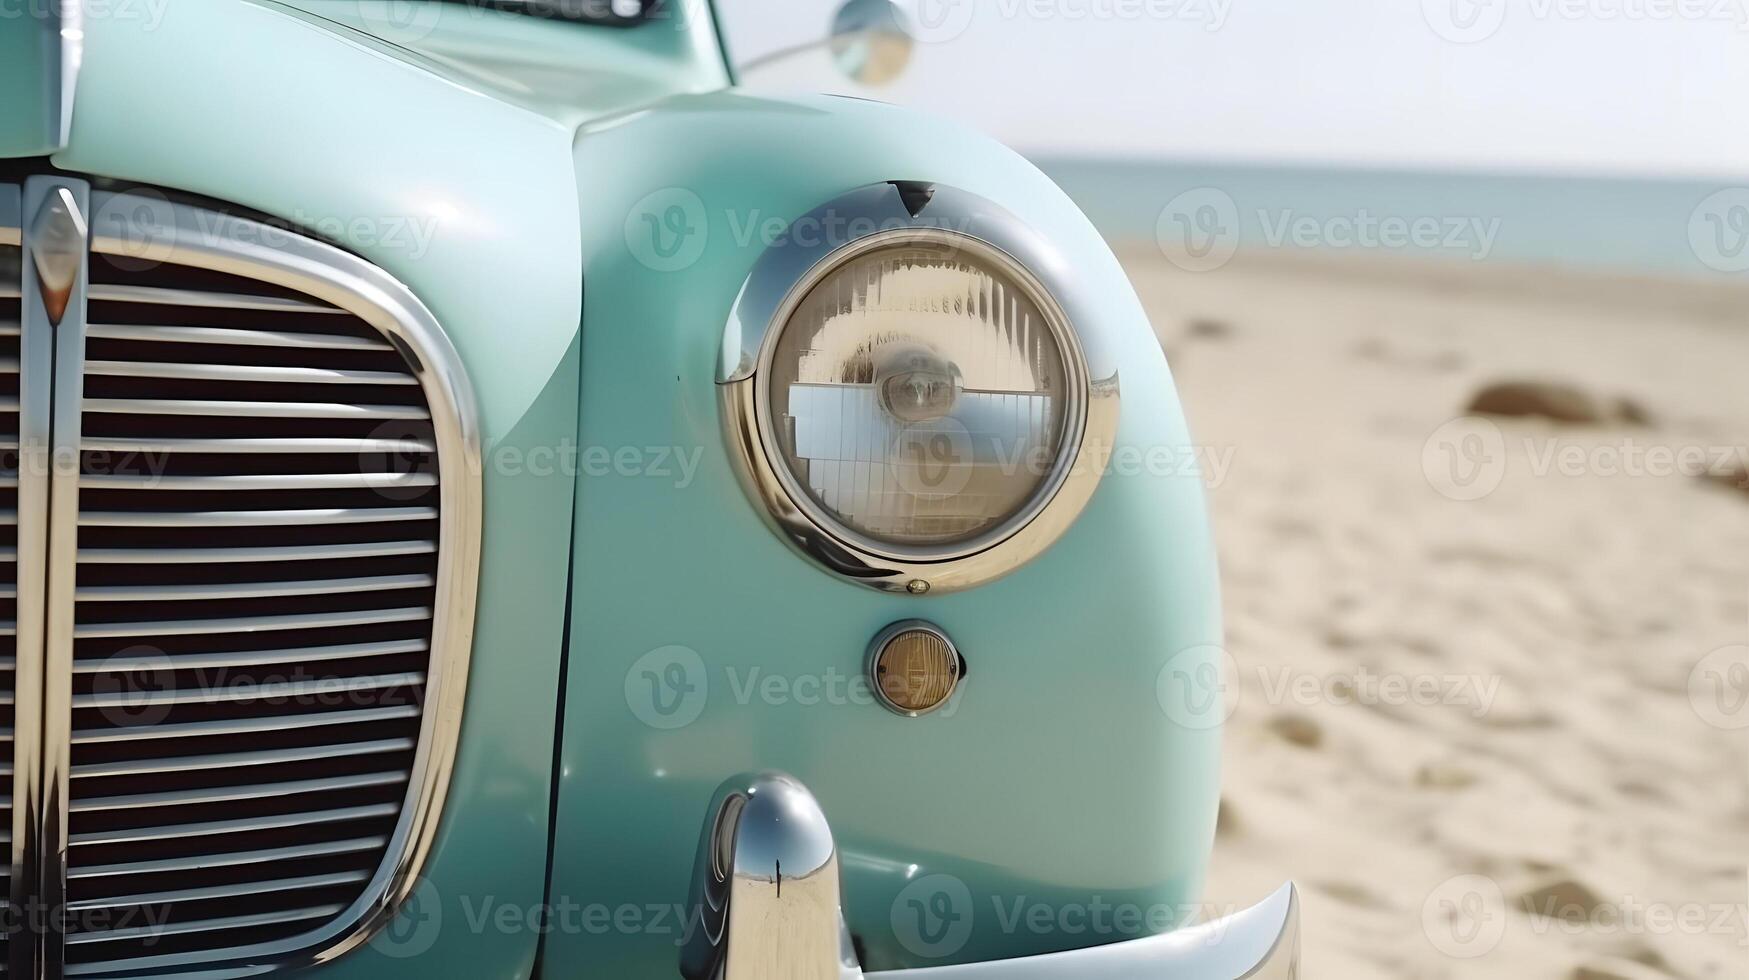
[(1628, 87)]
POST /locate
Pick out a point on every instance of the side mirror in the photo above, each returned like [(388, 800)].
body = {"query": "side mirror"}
[(869, 42)]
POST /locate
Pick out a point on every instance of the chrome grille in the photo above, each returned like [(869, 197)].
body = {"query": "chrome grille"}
[(257, 553), (262, 528)]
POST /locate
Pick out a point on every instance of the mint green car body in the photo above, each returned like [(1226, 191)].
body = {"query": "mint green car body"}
[(526, 147)]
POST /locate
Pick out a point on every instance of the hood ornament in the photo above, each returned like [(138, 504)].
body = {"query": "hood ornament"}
[(57, 249)]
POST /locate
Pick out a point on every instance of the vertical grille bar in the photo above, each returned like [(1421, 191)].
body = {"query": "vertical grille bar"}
[(55, 269), (68, 336)]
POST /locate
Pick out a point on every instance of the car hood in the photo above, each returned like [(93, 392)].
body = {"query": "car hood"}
[(571, 72), (568, 72)]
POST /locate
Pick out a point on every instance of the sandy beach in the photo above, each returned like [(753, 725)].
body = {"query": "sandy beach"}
[(1464, 719)]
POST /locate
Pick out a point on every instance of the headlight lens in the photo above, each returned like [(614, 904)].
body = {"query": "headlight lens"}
[(924, 392)]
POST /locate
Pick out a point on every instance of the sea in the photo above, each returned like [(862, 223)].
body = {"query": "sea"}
[(1203, 213)]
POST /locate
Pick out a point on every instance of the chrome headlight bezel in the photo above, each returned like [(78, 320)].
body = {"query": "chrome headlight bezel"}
[(892, 215)]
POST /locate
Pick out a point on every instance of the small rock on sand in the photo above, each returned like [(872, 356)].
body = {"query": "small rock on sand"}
[(1203, 329), (1298, 730), (1734, 476), (1538, 399), (1563, 898), (1226, 820), (1631, 411), (1616, 971), (1444, 775)]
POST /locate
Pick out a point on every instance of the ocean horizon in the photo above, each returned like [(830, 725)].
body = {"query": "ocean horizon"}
[(1203, 211)]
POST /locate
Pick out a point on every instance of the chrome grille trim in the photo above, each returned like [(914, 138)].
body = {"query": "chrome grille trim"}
[(299, 410), (231, 338), (194, 894), (202, 299), (242, 369), (293, 552), (259, 518), (241, 726), (334, 284)]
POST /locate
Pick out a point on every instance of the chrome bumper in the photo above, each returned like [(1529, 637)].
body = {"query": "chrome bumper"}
[(765, 881)]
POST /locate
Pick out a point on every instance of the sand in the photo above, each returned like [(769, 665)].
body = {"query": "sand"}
[(1552, 756)]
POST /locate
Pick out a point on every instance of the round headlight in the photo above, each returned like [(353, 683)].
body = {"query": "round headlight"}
[(924, 393)]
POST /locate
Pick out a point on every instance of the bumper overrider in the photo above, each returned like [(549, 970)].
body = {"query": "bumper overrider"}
[(765, 882)]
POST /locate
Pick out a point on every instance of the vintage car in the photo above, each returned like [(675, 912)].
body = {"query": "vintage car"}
[(489, 498)]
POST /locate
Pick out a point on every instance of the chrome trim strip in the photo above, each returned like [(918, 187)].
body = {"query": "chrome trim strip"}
[(247, 658), (263, 481), (271, 445), (235, 858), (204, 925), (253, 692), (224, 891), (239, 825), (161, 296), (257, 518), (261, 410), (250, 590), (229, 973), (1259, 943), (245, 373), (243, 726), (233, 245), (873, 217), (242, 760), (255, 624), (226, 336), (227, 794), (49, 356), (287, 552), (72, 51)]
